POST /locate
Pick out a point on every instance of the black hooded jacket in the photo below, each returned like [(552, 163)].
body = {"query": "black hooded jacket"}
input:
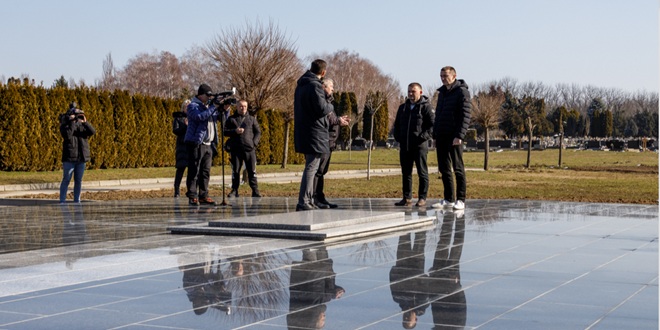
[(452, 113), (310, 115), (75, 147), (179, 128), (413, 127)]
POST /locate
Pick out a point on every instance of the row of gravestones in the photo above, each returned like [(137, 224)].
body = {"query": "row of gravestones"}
[(614, 144)]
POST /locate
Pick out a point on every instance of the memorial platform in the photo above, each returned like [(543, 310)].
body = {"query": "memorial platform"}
[(321, 225), (500, 264)]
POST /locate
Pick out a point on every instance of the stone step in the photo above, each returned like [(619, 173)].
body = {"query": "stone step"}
[(319, 225)]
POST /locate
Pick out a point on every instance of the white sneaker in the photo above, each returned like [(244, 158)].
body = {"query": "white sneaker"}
[(443, 203), (459, 205)]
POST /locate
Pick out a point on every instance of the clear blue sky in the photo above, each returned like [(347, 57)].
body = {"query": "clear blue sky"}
[(605, 43)]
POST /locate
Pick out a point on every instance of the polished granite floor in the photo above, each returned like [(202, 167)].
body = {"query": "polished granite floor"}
[(500, 264)]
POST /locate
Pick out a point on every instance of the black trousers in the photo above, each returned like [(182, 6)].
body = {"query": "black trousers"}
[(178, 177), (237, 158), (319, 195), (407, 158), (450, 158), (200, 158)]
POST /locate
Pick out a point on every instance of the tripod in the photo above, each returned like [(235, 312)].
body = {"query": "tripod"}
[(223, 119)]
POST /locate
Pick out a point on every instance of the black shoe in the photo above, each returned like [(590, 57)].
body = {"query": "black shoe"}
[(256, 194), (304, 207), (321, 205), (176, 193), (404, 202), (233, 193), (330, 205)]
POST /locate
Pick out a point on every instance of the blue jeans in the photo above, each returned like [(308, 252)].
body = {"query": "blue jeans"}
[(77, 169)]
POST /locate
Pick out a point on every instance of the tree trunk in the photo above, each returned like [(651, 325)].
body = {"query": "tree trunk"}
[(487, 148), (529, 147), (561, 146), (561, 137), (285, 157)]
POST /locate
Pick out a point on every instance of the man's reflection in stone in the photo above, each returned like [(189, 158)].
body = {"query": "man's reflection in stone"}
[(407, 278), (312, 285), (448, 304), (74, 232), (205, 287)]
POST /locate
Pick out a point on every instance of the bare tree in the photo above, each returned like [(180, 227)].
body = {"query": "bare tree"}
[(261, 62), (198, 68), (486, 112), (152, 74), (109, 79)]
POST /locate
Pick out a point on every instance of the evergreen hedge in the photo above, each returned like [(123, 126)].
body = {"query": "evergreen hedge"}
[(131, 130)]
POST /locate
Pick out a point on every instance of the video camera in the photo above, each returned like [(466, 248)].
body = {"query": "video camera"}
[(73, 110), (223, 98)]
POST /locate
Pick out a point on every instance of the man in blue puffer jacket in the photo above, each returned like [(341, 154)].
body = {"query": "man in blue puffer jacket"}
[(202, 145)]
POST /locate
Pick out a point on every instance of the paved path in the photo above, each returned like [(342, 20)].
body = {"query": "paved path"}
[(163, 183)]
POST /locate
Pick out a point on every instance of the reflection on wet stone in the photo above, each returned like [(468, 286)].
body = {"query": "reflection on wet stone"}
[(312, 285), (498, 264), (449, 306)]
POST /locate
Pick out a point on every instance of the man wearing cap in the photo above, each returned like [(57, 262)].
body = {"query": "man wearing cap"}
[(202, 145)]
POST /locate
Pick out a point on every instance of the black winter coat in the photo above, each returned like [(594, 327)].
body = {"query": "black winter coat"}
[(333, 131), (453, 111), (75, 133), (310, 115), (413, 127), (179, 127), (247, 141)]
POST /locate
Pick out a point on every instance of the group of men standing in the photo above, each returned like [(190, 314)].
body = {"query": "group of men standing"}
[(201, 141), (316, 127), (415, 125)]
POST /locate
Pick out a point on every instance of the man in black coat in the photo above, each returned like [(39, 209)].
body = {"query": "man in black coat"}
[(413, 129), (179, 128), (244, 134), (310, 110), (452, 118)]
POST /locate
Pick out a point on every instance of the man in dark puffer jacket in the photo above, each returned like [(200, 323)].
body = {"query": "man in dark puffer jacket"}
[(413, 129), (452, 117), (244, 134)]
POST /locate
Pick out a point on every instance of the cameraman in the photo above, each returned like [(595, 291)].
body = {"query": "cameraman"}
[(202, 144), (244, 134), (75, 130)]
